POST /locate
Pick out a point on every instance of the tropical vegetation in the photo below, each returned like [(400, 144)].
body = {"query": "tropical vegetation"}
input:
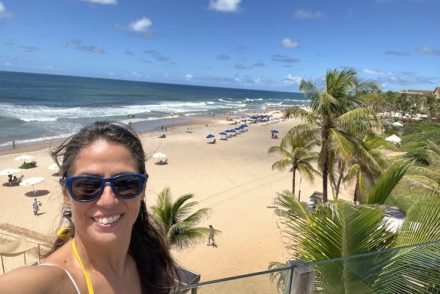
[(297, 154), (178, 221), (337, 113), (342, 229), (343, 117)]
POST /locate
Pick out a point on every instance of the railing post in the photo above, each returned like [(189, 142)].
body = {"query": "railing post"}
[(289, 277), (300, 279)]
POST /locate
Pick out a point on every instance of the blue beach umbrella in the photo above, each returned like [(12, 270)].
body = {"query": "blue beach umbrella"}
[(275, 131), (210, 136), (223, 134)]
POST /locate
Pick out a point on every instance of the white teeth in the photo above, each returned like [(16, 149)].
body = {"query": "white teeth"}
[(107, 220)]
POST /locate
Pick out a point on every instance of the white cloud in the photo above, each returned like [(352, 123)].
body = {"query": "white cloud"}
[(105, 2), (307, 14), (372, 71), (224, 5), (429, 51), (188, 77), (140, 26), (290, 79), (3, 12), (398, 78), (289, 43)]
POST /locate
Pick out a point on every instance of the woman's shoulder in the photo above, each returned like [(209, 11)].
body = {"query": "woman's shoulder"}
[(51, 276), (34, 279)]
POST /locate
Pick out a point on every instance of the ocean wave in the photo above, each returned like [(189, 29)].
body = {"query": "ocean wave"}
[(33, 113), (253, 99)]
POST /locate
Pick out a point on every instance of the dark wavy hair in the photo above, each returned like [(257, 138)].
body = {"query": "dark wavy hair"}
[(157, 270)]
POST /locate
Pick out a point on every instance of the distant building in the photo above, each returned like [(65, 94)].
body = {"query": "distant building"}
[(435, 93)]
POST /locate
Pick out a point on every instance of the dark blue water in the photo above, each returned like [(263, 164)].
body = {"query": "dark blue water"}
[(35, 107)]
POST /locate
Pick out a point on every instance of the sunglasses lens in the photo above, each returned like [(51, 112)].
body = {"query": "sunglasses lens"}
[(85, 189), (129, 186)]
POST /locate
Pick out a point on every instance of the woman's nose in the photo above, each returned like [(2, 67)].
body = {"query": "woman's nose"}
[(108, 197)]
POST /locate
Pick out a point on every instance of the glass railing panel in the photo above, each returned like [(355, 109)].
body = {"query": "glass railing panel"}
[(409, 269), (256, 283)]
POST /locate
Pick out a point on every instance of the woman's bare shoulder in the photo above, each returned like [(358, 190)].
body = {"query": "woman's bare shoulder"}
[(33, 279), (48, 277)]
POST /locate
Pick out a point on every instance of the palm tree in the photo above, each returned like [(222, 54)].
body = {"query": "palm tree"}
[(296, 152), (338, 113), (427, 177), (342, 229), (366, 165), (177, 221)]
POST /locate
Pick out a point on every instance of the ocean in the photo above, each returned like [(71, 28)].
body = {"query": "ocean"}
[(35, 108)]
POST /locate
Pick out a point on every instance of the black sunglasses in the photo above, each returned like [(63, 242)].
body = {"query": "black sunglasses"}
[(90, 188)]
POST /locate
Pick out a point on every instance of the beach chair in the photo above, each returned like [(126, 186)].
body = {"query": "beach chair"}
[(16, 181)]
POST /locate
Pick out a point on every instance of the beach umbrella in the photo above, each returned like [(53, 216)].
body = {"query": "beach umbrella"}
[(54, 167), (9, 171), (275, 131), (159, 155), (393, 139), (210, 136), (32, 182), (24, 157), (397, 124), (223, 134)]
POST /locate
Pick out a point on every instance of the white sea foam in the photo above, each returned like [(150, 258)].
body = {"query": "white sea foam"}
[(47, 114)]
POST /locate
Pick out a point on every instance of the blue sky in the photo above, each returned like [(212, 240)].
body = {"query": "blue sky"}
[(254, 44)]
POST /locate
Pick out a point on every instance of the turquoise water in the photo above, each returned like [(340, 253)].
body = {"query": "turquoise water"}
[(37, 107)]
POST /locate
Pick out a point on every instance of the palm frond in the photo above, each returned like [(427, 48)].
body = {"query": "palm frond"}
[(380, 191), (358, 121), (415, 269), (342, 143)]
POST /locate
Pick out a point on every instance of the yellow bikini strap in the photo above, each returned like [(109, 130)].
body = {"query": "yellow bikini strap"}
[(86, 274)]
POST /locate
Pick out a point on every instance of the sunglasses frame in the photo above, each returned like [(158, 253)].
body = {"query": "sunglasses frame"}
[(68, 183)]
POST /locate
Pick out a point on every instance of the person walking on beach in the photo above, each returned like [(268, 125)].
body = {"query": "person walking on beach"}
[(109, 243), (36, 206), (211, 237), (13, 144)]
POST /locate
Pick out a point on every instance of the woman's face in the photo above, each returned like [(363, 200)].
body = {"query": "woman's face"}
[(108, 218)]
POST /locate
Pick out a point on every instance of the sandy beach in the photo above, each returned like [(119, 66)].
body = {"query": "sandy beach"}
[(234, 178)]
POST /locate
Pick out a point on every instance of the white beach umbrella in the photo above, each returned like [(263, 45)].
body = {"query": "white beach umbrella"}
[(54, 167), (393, 139), (24, 157), (32, 182), (159, 155), (397, 124), (9, 171)]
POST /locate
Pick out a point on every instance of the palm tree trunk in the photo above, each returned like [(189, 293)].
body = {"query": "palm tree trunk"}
[(324, 156), (293, 179), (356, 191)]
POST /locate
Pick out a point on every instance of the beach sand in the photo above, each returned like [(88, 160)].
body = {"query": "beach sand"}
[(233, 178)]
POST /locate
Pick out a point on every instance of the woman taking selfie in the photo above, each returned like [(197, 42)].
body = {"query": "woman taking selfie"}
[(111, 245)]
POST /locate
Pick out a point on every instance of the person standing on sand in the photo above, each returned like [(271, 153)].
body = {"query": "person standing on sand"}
[(36, 206), (211, 237), (13, 144)]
